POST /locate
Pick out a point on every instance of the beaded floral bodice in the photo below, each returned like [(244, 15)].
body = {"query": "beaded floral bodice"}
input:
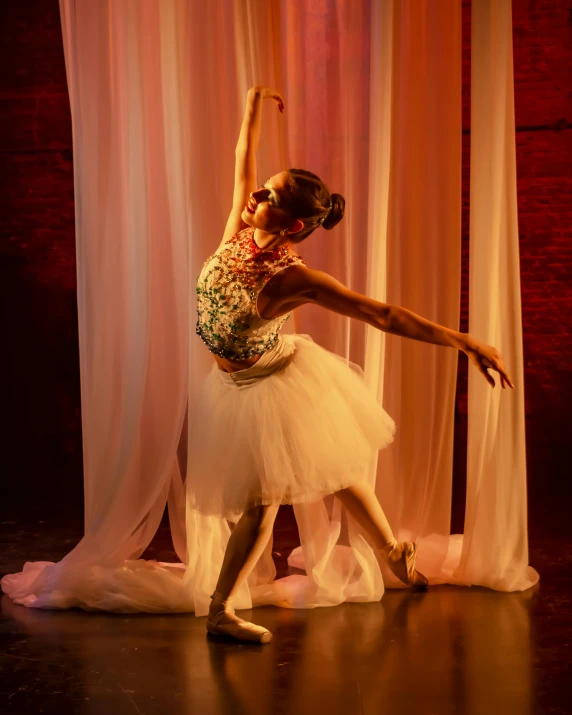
[(227, 291)]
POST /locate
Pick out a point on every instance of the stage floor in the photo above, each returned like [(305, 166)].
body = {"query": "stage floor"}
[(449, 650)]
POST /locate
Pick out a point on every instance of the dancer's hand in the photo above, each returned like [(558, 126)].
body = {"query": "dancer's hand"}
[(486, 357), (269, 93)]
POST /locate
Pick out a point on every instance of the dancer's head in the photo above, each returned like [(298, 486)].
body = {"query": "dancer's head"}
[(295, 201)]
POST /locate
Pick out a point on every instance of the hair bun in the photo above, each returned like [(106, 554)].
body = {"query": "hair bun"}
[(336, 212)]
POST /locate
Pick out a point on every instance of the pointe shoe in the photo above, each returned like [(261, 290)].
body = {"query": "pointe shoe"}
[(237, 627), (401, 561)]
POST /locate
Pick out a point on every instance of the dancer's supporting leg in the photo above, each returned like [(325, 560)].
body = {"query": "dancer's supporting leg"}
[(245, 546), (362, 503)]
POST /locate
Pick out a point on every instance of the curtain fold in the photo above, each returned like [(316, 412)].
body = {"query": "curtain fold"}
[(372, 93), (495, 552), (416, 173)]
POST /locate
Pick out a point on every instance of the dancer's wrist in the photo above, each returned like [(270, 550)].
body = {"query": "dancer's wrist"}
[(466, 342)]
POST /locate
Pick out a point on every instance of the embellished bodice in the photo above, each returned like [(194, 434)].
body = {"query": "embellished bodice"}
[(227, 292)]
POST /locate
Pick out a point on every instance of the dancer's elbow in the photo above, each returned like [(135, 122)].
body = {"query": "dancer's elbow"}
[(378, 315)]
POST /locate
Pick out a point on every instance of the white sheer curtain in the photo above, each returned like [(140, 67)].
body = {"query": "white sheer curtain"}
[(495, 552), (420, 144), (416, 232), (157, 93)]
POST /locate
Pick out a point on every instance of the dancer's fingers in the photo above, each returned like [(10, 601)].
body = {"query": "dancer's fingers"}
[(489, 377), (504, 372), (499, 366)]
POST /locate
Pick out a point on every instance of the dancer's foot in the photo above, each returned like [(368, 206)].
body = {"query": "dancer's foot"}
[(400, 556), (222, 621)]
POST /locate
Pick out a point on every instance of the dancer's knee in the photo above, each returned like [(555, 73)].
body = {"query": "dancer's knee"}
[(355, 492), (260, 514)]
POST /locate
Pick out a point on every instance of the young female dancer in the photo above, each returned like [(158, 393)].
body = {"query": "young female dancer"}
[(295, 421)]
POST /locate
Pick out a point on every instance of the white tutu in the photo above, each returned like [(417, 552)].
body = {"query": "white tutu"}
[(296, 426)]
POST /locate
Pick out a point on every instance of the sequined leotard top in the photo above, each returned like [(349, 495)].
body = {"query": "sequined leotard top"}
[(227, 291)]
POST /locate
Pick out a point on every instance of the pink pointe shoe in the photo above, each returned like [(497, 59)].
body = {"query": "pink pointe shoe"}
[(235, 627), (401, 561)]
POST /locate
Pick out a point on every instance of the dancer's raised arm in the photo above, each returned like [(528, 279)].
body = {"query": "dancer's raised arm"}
[(245, 174), (249, 137)]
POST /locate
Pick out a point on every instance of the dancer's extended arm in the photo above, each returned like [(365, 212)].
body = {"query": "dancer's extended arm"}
[(402, 321), (313, 286)]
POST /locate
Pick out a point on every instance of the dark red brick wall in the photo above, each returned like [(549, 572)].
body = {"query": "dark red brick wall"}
[(542, 41), (42, 450), (41, 405)]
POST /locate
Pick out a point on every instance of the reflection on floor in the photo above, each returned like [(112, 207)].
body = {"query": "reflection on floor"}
[(448, 650)]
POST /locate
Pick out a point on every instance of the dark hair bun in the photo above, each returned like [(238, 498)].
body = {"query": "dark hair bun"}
[(337, 212)]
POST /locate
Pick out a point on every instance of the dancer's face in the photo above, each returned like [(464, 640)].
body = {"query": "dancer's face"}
[(267, 207)]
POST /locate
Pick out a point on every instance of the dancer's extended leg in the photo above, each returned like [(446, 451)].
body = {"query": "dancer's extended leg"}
[(362, 503), (245, 546)]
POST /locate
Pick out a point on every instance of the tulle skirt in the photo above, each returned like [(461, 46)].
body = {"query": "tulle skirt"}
[(296, 426)]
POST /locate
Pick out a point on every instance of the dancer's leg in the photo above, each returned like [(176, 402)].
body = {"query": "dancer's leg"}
[(245, 546), (362, 503)]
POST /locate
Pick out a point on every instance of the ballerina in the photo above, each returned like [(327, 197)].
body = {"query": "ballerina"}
[(294, 421)]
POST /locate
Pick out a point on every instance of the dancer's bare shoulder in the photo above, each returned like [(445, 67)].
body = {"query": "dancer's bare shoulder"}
[(300, 284)]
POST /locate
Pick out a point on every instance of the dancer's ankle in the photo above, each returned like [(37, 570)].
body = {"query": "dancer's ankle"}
[(219, 602), (389, 547)]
